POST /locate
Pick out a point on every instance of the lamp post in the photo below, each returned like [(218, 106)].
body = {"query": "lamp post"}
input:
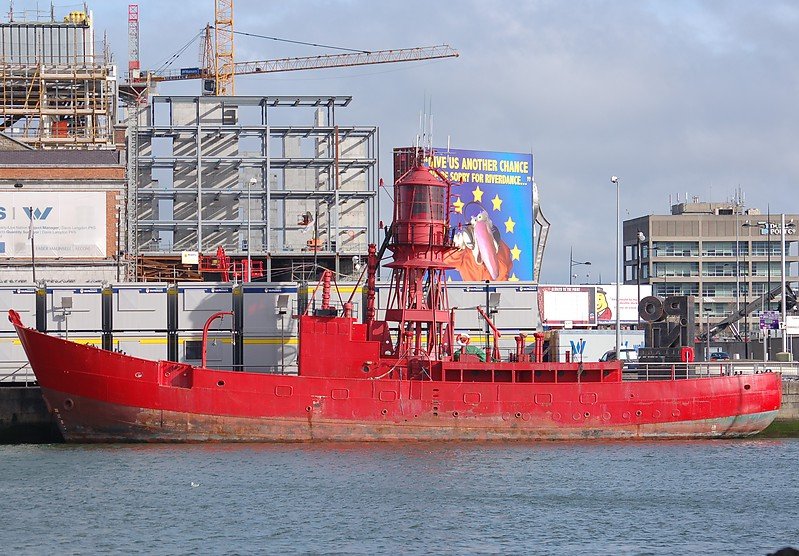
[(747, 224), (767, 300), (18, 185), (783, 278), (707, 333), (641, 237), (573, 263), (251, 182), (615, 180)]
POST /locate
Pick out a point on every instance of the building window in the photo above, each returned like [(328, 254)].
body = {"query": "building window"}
[(718, 269), (718, 249), (194, 350), (676, 269), (676, 248)]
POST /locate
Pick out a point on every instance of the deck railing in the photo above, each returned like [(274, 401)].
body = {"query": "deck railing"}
[(668, 371), (19, 376)]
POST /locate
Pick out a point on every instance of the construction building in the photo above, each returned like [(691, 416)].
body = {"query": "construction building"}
[(56, 91), (60, 214), (274, 179), (723, 254), (62, 169)]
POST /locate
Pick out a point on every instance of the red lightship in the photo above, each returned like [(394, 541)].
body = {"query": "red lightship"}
[(401, 378)]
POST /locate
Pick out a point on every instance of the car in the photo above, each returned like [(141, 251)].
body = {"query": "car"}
[(719, 356), (627, 355)]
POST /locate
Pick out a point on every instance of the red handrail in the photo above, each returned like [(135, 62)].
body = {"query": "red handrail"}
[(206, 327)]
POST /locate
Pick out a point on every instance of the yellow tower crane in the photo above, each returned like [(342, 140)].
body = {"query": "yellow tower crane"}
[(219, 67), (224, 61)]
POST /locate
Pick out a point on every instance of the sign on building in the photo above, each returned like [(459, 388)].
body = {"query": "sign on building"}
[(66, 224)]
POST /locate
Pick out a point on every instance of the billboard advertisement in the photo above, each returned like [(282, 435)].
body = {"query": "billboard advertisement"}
[(588, 305), (63, 224), (491, 212), (567, 305)]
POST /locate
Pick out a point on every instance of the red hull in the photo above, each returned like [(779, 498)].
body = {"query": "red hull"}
[(103, 396)]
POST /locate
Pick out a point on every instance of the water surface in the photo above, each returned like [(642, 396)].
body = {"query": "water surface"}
[(705, 497)]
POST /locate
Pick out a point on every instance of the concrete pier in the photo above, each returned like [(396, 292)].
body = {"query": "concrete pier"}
[(24, 417)]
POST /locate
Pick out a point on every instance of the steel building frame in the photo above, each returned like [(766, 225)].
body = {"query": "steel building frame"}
[(194, 145)]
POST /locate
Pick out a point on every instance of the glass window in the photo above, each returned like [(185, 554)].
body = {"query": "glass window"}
[(718, 269), (676, 248), (718, 249), (676, 269)]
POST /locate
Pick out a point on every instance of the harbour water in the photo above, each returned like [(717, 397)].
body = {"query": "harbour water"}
[(705, 497)]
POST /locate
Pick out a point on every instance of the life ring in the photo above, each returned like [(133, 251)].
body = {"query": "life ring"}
[(462, 340)]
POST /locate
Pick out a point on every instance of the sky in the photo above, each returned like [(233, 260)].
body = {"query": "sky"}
[(675, 97)]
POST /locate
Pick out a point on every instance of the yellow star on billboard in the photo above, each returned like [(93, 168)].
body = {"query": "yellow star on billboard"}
[(458, 204), (477, 193), (513, 278), (509, 225), (515, 253), (497, 202)]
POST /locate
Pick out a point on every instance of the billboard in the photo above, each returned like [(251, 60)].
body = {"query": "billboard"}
[(588, 305), (567, 305), (63, 224), (491, 212)]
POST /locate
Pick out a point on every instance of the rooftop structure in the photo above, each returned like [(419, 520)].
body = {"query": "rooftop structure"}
[(56, 91)]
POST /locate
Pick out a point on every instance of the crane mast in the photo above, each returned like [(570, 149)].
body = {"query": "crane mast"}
[(224, 62)]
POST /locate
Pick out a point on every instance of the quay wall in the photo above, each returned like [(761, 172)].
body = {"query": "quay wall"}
[(790, 401), (24, 416)]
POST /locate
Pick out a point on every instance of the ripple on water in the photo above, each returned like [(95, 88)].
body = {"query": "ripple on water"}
[(604, 498)]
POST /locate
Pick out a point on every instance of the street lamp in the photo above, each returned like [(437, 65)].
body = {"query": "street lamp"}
[(748, 275), (641, 239), (250, 183), (783, 278), (18, 185), (707, 332), (615, 180), (573, 263)]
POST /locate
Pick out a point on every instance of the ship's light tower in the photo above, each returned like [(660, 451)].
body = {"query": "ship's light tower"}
[(420, 241)]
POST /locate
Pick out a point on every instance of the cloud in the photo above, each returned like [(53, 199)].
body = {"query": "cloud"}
[(672, 96)]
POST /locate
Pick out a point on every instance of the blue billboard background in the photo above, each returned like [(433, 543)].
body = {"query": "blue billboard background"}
[(496, 245)]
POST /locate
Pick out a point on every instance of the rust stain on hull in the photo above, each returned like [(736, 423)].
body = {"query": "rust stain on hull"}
[(93, 421)]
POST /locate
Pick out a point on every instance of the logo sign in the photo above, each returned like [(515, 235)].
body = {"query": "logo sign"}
[(578, 347), (775, 229), (769, 320), (38, 213)]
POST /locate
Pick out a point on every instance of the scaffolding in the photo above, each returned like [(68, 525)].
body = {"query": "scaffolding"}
[(55, 91), (273, 178)]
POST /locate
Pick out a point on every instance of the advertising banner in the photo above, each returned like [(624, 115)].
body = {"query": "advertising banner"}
[(588, 305), (567, 305), (491, 212), (62, 224), (628, 303)]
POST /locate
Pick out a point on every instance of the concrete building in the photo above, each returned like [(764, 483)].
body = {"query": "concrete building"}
[(721, 253)]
